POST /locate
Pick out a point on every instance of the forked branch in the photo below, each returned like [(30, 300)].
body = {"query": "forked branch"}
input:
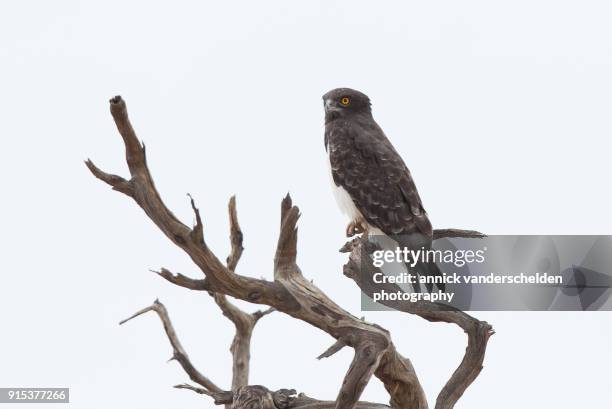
[(179, 354), (289, 292), (478, 332)]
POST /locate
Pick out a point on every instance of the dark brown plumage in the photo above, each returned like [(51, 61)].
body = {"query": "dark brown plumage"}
[(366, 166)]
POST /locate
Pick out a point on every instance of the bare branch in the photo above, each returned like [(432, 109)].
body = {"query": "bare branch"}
[(240, 318), (196, 389), (183, 281), (478, 331), (367, 357), (198, 230), (244, 322), (253, 397), (286, 205), (134, 150), (236, 236), (116, 182), (179, 353), (240, 347), (337, 346), (303, 401), (290, 292), (285, 399), (444, 233), (221, 398), (286, 251), (146, 196), (241, 344), (260, 314)]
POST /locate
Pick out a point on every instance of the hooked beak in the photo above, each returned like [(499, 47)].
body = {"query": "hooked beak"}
[(330, 106)]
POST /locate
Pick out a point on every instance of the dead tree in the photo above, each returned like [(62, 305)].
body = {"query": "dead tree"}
[(290, 293)]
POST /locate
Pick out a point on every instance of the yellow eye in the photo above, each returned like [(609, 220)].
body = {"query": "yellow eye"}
[(345, 101)]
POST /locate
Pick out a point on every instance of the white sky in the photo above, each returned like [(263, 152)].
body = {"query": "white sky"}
[(501, 110)]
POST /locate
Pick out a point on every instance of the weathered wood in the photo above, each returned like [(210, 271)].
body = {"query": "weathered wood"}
[(179, 353), (478, 332), (289, 292)]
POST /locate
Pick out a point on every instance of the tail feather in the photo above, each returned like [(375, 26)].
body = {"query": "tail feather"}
[(416, 286), (431, 270), (428, 269)]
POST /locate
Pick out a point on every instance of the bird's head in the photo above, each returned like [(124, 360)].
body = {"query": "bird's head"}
[(342, 102)]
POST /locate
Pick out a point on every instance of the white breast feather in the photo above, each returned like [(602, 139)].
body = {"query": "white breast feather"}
[(346, 204), (343, 199)]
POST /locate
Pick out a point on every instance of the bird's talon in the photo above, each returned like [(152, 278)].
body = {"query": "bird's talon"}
[(350, 230), (353, 229)]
